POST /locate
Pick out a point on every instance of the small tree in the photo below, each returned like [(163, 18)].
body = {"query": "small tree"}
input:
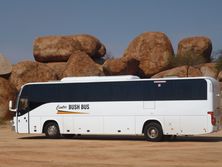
[(189, 59), (219, 63), (218, 57), (108, 55)]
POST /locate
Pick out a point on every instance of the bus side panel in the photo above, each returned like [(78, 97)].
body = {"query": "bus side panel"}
[(184, 117), (35, 126), (68, 125), (119, 125), (193, 125), (88, 124), (171, 125), (170, 110)]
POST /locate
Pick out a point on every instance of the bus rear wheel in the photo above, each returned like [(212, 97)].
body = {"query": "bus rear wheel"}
[(52, 130), (153, 132)]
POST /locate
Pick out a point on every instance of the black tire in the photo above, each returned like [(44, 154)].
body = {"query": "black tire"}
[(68, 136), (52, 130), (153, 132)]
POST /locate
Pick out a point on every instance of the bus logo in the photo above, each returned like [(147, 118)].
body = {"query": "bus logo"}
[(72, 109)]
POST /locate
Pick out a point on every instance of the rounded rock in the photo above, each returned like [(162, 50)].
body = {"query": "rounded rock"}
[(28, 71), (198, 48), (5, 65), (80, 64), (7, 92), (153, 50)]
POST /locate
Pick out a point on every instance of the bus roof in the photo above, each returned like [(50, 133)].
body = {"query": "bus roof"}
[(100, 78), (113, 78)]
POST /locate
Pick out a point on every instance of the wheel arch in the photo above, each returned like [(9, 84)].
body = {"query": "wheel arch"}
[(48, 121)]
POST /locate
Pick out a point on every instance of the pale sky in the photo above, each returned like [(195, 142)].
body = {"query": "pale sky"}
[(114, 22)]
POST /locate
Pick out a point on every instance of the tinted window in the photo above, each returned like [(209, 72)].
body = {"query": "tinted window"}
[(103, 91), (181, 90), (115, 91)]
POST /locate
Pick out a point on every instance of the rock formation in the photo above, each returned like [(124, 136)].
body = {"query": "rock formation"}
[(28, 71), (150, 54), (58, 68), (60, 48), (121, 67), (208, 69), (80, 64), (153, 50), (182, 71), (5, 65), (219, 77), (196, 48), (90, 45), (7, 92)]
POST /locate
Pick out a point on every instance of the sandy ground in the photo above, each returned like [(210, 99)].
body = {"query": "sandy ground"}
[(37, 151)]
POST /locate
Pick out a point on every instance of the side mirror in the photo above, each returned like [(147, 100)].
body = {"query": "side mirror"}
[(10, 106)]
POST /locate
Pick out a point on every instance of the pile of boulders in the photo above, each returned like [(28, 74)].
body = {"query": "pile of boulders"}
[(56, 57), (153, 57), (7, 90), (149, 55)]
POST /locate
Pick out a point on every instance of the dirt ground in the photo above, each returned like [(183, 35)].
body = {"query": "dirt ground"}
[(38, 151)]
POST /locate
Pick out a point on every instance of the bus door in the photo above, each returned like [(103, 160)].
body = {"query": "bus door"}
[(23, 116)]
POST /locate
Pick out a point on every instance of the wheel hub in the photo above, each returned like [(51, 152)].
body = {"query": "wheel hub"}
[(152, 133), (52, 130)]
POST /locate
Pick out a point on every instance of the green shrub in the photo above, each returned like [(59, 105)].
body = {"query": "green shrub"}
[(189, 59), (219, 63)]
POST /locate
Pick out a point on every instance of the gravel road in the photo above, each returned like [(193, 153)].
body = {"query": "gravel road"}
[(18, 150)]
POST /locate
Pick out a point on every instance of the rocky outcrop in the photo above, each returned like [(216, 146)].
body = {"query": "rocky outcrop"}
[(219, 78), (194, 72), (208, 69), (58, 68), (121, 67), (153, 50), (90, 45), (5, 65), (114, 67), (182, 71), (28, 71), (60, 48), (196, 48), (80, 64), (7, 92), (54, 48)]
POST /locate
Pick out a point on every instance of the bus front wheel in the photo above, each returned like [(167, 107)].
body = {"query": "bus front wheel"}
[(52, 130), (153, 132)]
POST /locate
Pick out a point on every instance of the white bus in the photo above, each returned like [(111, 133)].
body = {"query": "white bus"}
[(119, 105)]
